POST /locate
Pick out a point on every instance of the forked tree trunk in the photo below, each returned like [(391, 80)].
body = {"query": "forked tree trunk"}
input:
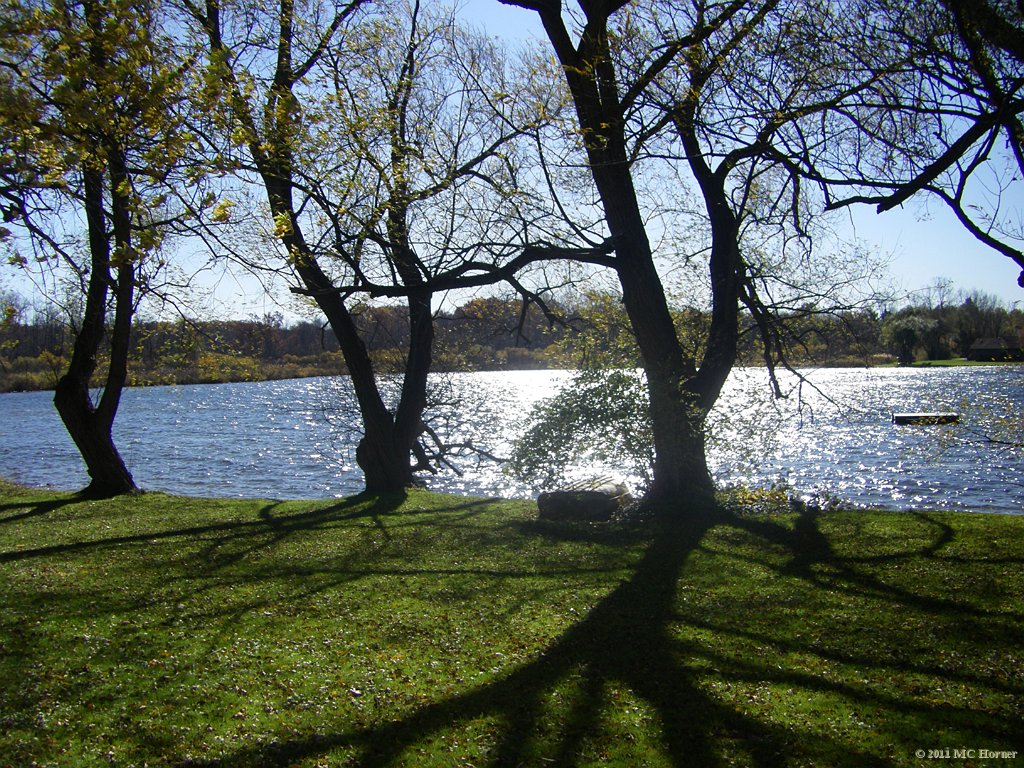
[(384, 452), (89, 425), (681, 394), (92, 436)]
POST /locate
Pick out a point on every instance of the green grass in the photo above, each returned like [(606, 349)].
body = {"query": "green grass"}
[(955, 362), (428, 630)]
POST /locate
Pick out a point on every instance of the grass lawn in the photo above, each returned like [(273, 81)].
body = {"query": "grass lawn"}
[(955, 362), (428, 630)]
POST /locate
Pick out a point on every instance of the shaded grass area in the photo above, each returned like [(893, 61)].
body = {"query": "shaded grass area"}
[(428, 630)]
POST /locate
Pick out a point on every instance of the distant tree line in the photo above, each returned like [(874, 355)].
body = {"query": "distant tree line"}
[(482, 334), (490, 333), (944, 330)]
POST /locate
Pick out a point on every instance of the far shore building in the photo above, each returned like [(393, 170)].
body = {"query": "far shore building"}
[(994, 350)]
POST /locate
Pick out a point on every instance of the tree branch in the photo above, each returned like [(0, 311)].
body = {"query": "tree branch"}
[(474, 274)]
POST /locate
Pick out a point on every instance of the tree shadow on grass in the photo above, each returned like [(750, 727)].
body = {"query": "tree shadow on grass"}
[(814, 560), (266, 530), (386, 548), (218, 554), (13, 512), (627, 642), (644, 638), (632, 641)]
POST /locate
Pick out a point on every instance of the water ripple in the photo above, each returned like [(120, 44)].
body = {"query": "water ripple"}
[(295, 439)]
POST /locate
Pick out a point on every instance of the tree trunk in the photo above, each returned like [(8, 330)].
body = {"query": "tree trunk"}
[(385, 464), (382, 455), (90, 427), (92, 436), (680, 464), (385, 454), (681, 395), (678, 414)]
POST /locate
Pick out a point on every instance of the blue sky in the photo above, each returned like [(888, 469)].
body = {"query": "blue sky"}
[(926, 242)]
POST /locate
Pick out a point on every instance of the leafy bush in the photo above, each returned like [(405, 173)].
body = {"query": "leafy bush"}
[(599, 416)]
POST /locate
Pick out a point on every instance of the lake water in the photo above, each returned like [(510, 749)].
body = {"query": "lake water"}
[(294, 439)]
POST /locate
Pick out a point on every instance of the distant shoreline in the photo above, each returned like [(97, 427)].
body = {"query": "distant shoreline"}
[(271, 375)]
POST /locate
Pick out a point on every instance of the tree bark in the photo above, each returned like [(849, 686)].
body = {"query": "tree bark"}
[(383, 452), (678, 413), (91, 427)]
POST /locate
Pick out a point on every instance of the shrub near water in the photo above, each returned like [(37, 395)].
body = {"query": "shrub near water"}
[(432, 630)]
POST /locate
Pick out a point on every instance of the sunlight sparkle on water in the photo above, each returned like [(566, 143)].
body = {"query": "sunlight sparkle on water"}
[(295, 439)]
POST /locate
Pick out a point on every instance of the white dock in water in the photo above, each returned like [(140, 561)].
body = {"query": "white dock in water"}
[(925, 418)]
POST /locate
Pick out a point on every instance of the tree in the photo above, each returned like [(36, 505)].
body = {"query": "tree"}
[(602, 416), (11, 310), (726, 92), (86, 94), (905, 333), (981, 316), (383, 146)]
